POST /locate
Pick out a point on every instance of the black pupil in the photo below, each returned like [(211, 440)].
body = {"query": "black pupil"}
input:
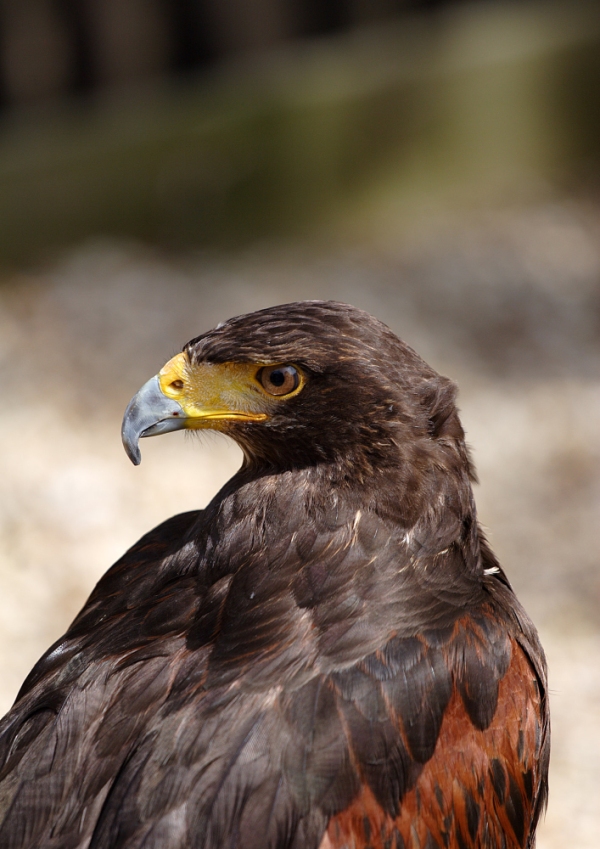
[(277, 378)]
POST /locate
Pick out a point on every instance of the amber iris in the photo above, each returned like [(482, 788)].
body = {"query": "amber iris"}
[(279, 380)]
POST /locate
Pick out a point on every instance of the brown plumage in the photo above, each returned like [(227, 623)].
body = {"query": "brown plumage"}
[(327, 657)]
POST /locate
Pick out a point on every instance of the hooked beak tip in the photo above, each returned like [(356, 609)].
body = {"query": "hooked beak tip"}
[(130, 435), (133, 452)]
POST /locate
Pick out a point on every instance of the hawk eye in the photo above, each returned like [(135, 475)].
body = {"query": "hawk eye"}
[(279, 380)]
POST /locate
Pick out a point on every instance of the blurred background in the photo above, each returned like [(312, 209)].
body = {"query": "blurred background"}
[(166, 164)]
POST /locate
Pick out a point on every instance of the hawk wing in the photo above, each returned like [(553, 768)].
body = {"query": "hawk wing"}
[(81, 710), (448, 734)]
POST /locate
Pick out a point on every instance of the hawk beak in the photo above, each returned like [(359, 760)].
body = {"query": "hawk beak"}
[(149, 413)]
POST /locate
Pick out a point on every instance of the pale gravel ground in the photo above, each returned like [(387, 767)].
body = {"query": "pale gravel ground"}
[(508, 304)]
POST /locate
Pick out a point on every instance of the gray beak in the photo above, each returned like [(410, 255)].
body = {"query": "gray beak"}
[(149, 413)]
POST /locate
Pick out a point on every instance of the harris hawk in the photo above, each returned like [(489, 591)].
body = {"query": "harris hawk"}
[(327, 657)]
